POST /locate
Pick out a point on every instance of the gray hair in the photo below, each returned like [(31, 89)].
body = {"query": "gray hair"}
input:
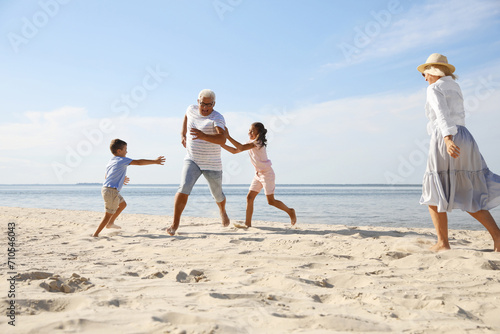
[(207, 93)]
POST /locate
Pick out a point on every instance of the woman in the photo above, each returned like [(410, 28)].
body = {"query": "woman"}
[(457, 176)]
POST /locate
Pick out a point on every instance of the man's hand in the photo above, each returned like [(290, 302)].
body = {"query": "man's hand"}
[(197, 134), (218, 138)]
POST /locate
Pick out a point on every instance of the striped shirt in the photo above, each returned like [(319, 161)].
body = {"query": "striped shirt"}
[(206, 155)]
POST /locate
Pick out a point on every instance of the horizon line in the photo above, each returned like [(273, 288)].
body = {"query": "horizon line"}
[(203, 184)]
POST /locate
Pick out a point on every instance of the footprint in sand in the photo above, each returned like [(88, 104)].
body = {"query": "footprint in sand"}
[(194, 276), (73, 284)]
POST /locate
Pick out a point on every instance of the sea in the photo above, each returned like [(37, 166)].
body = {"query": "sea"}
[(336, 204)]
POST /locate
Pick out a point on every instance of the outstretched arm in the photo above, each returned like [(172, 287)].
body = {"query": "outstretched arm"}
[(230, 149), (142, 162), (238, 147)]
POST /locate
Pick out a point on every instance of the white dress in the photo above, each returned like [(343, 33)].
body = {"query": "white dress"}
[(463, 183)]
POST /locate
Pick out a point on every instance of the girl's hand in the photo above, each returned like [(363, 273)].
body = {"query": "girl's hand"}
[(452, 149), (126, 181)]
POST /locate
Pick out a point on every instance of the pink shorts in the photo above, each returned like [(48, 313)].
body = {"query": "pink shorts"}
[(264, 180)]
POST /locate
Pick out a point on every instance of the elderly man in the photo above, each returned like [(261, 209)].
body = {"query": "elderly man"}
[(206, 134)]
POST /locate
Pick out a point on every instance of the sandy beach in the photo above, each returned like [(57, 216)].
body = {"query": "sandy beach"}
[(271, 278)]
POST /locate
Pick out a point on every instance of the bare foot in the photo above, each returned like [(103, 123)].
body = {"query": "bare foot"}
[(225, 220), (95, 235), (171, 230), (293, 217), (112, 225), (438, 247), (496, 246), (239, 225)]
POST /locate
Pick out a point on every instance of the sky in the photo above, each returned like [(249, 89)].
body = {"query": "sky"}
[(334, 82)]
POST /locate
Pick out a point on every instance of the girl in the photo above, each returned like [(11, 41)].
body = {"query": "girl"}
[(264, 174)]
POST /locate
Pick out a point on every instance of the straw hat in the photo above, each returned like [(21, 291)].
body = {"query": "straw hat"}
[(436, 59)]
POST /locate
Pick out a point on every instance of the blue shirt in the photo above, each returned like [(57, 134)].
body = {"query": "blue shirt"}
[(116, 171)]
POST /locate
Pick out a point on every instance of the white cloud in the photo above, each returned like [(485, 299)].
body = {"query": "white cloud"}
[(78, 145), (6, 161), (372, 139), (349, 140), (42, 129), (435, 24), (422, 25)]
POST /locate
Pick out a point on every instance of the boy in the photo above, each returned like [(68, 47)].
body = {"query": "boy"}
[(114, 180)]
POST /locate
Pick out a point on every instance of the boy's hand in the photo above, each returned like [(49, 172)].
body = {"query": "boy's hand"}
[(127, 180), (160, 160)]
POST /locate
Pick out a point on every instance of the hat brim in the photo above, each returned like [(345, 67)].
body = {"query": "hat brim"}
[(422, 67)]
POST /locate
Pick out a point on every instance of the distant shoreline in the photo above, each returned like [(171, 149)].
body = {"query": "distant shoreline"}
[(225, 185)]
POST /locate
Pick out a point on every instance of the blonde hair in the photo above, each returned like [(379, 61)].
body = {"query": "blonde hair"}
[(439, 71)]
